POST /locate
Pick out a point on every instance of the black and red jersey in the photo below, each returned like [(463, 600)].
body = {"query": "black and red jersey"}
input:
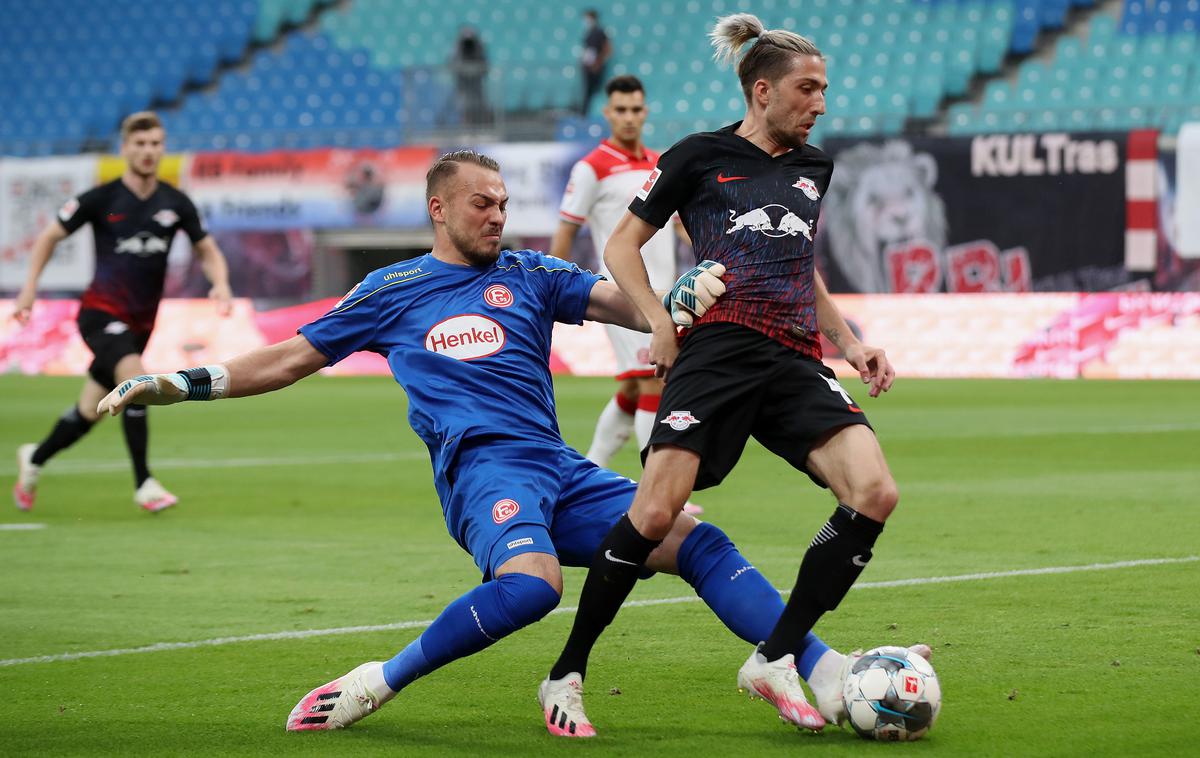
[(133, 237), (754, 213)]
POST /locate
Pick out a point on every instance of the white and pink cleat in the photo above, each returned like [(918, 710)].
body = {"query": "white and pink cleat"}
[(343, 701), (562, 705), (154, 497), (778, 683), (25, 490)]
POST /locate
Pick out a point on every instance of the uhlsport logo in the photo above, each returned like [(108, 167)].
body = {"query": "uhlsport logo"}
[(504, 509), (808, 187), (760, 220), (465, 337), (680, 420), (498, 296)]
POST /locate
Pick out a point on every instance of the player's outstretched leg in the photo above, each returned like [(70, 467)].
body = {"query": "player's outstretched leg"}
[(338, 704), (829, 679), (477, 619), (747, 603), (25, 489), (562, 705)]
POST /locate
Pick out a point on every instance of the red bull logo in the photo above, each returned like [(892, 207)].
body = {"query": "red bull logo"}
[(680, 420), (808, 187), (761, 220), (465, 337)]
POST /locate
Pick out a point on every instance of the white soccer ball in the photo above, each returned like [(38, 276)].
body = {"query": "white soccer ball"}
[(892, 694)]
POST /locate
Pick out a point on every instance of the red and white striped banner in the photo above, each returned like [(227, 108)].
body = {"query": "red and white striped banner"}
[(1141, 201)]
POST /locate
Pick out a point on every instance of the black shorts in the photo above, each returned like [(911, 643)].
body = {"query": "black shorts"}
[(730, 383), (110, 339)]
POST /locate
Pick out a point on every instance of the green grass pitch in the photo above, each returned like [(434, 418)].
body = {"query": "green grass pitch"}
[(313, 509)]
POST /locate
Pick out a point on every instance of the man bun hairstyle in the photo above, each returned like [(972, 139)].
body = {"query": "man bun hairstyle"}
[(624, 83), (142, 121), (770, 58)]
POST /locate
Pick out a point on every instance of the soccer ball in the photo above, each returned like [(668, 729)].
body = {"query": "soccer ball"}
[(892, 694)]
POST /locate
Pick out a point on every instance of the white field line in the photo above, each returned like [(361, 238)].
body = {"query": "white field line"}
[(69, 468), (18, 527), (159, 647)]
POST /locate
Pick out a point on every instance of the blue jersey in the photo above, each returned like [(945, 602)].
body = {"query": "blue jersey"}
[(469, 345)]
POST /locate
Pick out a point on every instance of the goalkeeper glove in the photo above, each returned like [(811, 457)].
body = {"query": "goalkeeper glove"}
[(695, 292), (206, 383)]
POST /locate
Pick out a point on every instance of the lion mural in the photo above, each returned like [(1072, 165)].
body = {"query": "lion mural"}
[(881, 196)]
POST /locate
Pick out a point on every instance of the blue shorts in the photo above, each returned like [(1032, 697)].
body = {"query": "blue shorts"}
[(504, 497)]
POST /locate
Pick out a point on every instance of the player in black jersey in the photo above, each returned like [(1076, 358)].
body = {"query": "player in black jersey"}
[(749, 196), (134, 218)]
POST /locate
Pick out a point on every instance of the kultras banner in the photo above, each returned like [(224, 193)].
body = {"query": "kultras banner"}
[(991, 213)]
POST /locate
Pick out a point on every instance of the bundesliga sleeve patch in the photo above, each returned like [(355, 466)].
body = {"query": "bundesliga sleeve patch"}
[(644, 192), (68, 210)]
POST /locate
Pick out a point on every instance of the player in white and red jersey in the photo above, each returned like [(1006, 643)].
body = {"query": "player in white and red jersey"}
[(602, 185)]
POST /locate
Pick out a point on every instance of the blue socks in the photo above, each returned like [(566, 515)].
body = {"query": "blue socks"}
[(740, 596), (487, 613)]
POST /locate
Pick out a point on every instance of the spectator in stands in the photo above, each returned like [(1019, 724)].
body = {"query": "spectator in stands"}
[(470, 69), (597, 48)]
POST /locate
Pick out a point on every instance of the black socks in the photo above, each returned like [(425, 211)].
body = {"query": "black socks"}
[(66, 432), (614, 571), (832, 564)]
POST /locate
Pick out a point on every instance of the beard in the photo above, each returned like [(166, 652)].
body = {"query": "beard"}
[(477, 252)]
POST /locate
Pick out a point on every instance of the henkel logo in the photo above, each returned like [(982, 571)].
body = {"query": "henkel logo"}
[(504, 509), (680, 420), (498, 296), (649, 185), (465, 337), (760, 220)]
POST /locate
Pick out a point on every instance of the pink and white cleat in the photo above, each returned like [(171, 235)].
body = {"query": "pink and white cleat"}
[(343, 701), (562, 705), (25, 490), (693, 509), (154, 497), (778, 683)]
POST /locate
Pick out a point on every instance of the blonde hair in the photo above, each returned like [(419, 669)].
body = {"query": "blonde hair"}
[(770, 58), (142, 121)]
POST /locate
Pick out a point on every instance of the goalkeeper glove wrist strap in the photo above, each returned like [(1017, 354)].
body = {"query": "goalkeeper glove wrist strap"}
[(205, 382)]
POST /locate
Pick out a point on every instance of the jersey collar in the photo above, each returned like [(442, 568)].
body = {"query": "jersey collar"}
[(614, 146)]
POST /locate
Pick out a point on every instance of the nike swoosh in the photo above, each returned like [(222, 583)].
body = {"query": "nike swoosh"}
[(721, 178), (608, 554), (858, 561)]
